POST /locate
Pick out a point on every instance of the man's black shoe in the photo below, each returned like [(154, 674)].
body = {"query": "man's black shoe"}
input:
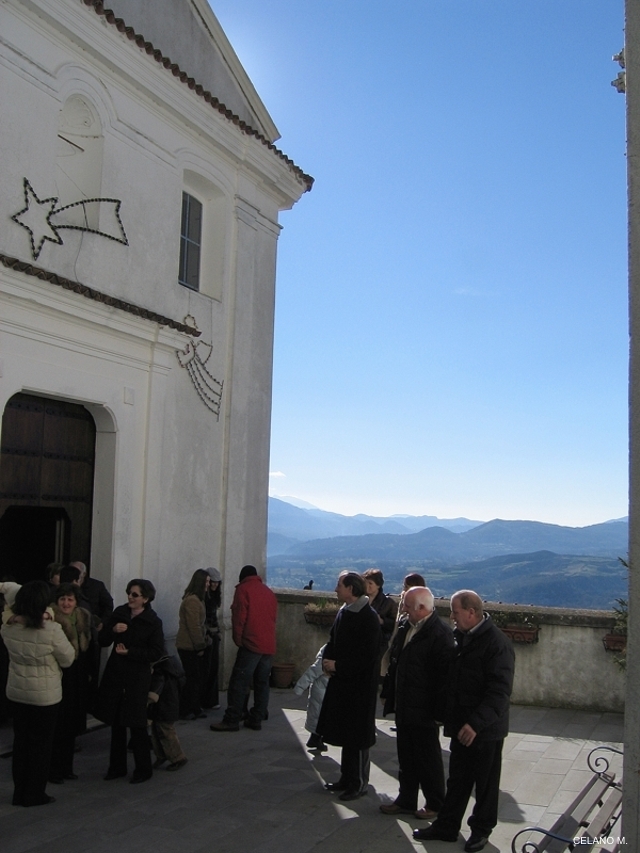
[(137, 778), (432, 833), (475, 842), (224, 726), (335, 786), (113, 774), (252, 724), (352, 794)]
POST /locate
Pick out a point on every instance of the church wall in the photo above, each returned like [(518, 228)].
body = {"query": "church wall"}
[(177, 488)]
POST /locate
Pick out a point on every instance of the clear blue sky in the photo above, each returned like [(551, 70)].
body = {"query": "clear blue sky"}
[(451, 320)]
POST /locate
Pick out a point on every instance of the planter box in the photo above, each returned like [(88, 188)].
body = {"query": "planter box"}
[(526, 634), (615, 642), (319, 618)]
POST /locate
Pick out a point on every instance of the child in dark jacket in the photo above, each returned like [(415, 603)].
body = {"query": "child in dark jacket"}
[(164, 709)]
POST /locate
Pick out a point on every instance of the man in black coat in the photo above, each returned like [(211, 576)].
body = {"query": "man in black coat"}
[(413, 688), (477, 719), (351, 659), (95, 592)]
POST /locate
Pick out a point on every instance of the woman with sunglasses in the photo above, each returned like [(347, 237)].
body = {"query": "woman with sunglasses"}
[(135, 631)]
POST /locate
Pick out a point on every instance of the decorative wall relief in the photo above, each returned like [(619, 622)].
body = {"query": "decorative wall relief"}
[(42, 220), (194, 358)]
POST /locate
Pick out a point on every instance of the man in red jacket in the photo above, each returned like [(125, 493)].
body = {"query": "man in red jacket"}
[(253, 620)]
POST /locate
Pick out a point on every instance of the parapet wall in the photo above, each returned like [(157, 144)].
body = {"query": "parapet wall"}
[(567, 668)]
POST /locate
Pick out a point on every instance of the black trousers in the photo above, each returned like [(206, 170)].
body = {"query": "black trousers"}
[(33, 730), (354, 768), (141, 746), (193, 665), (63, 751), (421, 767), (479, 765), (210, 688)]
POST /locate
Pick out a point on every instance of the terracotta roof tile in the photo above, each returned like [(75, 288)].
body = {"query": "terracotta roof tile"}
[(109, 15), (95, 295)]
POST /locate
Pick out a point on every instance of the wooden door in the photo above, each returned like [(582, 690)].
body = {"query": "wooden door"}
[(46, 461)]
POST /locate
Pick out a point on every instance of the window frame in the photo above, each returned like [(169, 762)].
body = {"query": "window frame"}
[(190, 242)]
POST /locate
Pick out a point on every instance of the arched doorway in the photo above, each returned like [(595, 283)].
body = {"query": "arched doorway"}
[(47, 465)]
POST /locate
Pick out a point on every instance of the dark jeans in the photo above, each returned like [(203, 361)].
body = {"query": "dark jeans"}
[(249, 667), (193, 664), (354, 768), (33, 730), (141, 746), (210, 689), (479, 765), (421, 767)]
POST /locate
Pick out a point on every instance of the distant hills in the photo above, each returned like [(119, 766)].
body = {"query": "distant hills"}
[(289, 524), (511, 561)]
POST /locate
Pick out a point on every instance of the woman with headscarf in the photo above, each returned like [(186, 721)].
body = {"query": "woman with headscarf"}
[(75, 621), (192, 640), (135, 631), (38, 649)]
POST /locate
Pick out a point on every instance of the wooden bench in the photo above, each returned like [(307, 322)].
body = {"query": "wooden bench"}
[(592, 818)]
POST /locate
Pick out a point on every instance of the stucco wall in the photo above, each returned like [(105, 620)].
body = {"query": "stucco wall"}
[(177, 488), (567, 668)]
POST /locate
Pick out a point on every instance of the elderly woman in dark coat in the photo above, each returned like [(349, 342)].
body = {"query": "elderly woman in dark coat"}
[(136, 632), (75, 622), (383, 604)]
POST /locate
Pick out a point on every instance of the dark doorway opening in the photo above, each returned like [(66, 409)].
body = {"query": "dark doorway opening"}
[(25, 556), (46, 484)]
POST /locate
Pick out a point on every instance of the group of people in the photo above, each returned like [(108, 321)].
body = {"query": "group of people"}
[(53, 633), (433, 674)]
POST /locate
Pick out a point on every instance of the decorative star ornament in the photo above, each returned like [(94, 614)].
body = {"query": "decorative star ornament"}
[(36, 219), (194, 358)]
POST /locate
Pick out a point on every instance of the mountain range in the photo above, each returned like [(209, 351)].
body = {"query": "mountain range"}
[(512, 561), (289, 524)]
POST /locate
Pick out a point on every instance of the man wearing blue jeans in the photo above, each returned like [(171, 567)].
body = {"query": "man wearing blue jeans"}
[(253, 621)]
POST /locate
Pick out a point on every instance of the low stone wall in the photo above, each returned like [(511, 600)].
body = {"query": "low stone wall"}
[(567, 668)]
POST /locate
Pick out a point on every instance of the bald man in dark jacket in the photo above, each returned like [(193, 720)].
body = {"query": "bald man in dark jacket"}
[(420, 655)]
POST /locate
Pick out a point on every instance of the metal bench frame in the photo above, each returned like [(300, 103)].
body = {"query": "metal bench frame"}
[(594, 813)]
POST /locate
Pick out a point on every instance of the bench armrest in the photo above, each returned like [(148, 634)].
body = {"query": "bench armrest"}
[(531, 846), (600, 764)]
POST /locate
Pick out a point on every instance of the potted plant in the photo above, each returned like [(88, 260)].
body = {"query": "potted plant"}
[(282, 674), (616, 640), (518, 627), (321, 612)]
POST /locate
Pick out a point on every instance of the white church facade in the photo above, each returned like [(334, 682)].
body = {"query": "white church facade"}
[(140, 196)]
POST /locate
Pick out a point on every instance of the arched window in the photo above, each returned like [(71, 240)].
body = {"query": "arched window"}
[(79, 160)]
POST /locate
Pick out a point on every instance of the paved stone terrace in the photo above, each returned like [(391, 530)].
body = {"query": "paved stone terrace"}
[(262, 791)]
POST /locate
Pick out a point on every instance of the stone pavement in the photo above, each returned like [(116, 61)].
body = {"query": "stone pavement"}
[(262, 791)]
